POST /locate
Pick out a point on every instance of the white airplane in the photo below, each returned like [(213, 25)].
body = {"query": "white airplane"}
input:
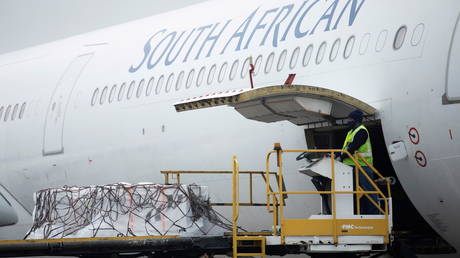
[(99, 108)]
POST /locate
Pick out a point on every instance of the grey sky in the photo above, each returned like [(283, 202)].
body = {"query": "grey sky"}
[(25, 23)]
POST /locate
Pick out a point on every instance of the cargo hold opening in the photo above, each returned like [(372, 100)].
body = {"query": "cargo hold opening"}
[(408, 225)]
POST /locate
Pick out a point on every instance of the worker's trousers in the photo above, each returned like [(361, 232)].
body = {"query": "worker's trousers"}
[(365, 205)]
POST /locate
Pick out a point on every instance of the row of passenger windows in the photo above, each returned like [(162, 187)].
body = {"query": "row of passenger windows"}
[(233, 70), (12, 112)]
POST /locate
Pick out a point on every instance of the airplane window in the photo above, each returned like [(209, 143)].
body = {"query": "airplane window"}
[(234, 68), (140, 88), (364, 43), (159, 84), (452, 88), (418, 34), (381, 40), (245, 68), (222, 72), (281, 60), (15, 111), (294, 58), (269, 63), (257, 65), (307, 55), (21, 113), (349, 47), (169, 83), (399, 37), (199, 78), (211, 74), (180, 80), (1, 112), (121, 93), (131, 89), (103, 95), (190, 77), (321, 51), (112, 93), (149, 88), (334, 50), (95, 95), (7, 113)]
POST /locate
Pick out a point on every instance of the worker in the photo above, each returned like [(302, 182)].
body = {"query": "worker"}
[(358, 140)]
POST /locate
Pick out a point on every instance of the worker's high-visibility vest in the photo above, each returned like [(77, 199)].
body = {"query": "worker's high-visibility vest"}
[(365, 150)]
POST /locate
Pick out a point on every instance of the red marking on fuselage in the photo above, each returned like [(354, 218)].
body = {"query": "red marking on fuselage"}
[(290, 79)]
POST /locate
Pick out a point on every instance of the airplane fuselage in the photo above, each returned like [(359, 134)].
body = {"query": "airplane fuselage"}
[(99, 107)]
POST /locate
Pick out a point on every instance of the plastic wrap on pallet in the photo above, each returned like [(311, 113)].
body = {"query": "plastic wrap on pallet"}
[(125, 210)]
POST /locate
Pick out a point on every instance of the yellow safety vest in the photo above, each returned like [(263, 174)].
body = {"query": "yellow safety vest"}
[(365, 150)]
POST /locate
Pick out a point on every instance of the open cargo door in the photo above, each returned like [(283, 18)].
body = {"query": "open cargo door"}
[(301, 105)]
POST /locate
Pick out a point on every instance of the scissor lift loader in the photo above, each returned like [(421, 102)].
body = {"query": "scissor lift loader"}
[(343, 231)]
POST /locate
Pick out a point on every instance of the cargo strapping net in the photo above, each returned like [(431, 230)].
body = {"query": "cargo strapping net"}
[(122, 209)]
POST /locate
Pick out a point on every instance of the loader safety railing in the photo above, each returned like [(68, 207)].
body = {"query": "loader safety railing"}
[(359, 169), (236, 238), (276, 202), (174, 176)]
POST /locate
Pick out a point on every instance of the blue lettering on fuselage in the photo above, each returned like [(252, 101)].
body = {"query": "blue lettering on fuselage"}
[(327, 16), (276, 25), (147, 48), (240, 32), (299, 34), (260, 25), (288, 9)]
